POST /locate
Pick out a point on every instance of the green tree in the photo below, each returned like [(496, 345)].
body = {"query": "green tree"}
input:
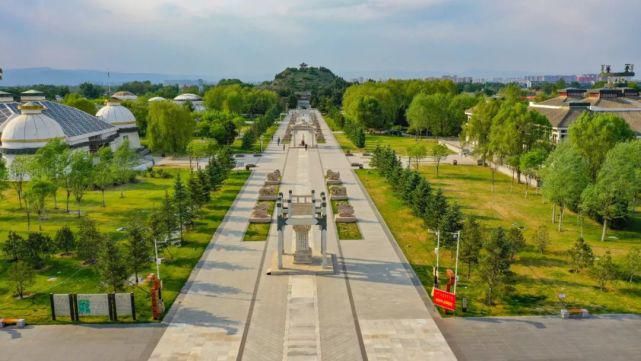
[(170, 127), (617, 185), (13, 247), (111, 265), (581, 255), (516, 241), (438, 152), (477, 130), (541, 238), (19, 173), (104, 171), (531, 163), (594, 134), (604, 270), (565, 176), (435, 210), (88, 240), (124, 159), (471, 243), (632, 264), (138, 247), (163, 221), (91, 91), (77, 101), (181, 202), (65, 239), (4, 177), (80, 176), (21, 275), (38, 247), (494, 264), (515, 131), (417, 151), (50, 162), (39, 190), (369, 113), (451, 222), (140, 109)]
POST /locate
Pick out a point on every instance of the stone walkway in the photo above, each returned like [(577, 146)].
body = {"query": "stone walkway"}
[(374, 311)]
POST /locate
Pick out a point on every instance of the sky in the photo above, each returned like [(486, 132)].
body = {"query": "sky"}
[(258, 38)]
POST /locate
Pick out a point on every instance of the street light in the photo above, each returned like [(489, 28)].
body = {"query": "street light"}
[(437, 251)]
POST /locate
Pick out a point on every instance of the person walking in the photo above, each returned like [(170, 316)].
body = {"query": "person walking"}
[(306, 147), (283, 147), (278, 141)]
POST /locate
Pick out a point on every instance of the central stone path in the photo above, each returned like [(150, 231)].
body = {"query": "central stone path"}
[(370, 309)]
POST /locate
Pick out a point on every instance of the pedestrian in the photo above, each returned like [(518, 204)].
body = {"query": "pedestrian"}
[(283, 146), (278, 141), (306, 147)]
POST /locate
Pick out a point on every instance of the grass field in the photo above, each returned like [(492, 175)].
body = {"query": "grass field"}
[(398, 144), (66, 274), (260, 231), (539, 278), (255, 148)]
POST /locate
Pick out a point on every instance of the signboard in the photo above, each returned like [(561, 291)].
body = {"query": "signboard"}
[(101, 304), (444, 299), (93, 304)]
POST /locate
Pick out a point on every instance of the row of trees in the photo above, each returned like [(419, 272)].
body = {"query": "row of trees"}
[(116, 261), (594, 172), (507, 132), (381, 105), (259, 126), (55, 166), (440, 114), (354, 131), (493, 252), (240, 99)]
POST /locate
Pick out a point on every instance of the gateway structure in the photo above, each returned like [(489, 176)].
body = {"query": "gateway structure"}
[(27, 125)]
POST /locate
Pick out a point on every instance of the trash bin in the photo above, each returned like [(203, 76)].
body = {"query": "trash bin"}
[(454, 162)]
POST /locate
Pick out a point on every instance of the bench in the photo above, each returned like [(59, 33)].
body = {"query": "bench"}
[(575, 312), (4, 322)]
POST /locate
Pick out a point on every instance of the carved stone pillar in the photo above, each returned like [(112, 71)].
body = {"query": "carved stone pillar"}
[(302, 253)]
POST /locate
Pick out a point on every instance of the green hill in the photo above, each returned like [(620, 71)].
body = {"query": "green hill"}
[(324, 85)]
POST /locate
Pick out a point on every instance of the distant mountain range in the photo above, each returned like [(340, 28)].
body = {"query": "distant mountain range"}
[(31, 76)]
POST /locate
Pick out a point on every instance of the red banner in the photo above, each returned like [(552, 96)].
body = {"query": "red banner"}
[(444, 299)]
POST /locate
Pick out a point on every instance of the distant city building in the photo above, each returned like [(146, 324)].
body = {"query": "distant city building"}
[(27, 125), (458, 80)]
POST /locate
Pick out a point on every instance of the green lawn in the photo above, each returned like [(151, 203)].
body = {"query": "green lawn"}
[(66, 274), (260, 231), (398, 144), (539, 278), (236, 145)]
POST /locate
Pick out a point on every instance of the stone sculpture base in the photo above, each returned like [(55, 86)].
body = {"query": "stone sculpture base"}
[(291, 268), (339, 219), (260, 220), (332, 182), (272, 183), (337, 198)]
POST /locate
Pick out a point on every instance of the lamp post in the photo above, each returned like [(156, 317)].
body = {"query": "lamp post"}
[(437, 250), (157, 259), (458, 241)]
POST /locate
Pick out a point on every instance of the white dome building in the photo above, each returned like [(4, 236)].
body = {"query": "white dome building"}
[(5, 97), (124, 95), (28, 131), (156, 99), (195, 100), (122, 118)]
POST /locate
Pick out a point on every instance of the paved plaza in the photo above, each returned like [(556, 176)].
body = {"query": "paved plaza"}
[(371, 308)]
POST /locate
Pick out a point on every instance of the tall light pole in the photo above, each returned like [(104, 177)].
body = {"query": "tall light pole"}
[(458, 241), (157, 259), (436, 250)]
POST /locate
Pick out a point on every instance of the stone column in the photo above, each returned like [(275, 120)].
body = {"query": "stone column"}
[(302, 253), (324, 246)]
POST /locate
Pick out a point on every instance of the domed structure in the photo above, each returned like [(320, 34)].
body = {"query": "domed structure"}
[(156, 99), (123, 119), (32, 95), (30, 129), (195, 100), (5, 97), (124, 95), (188, 97), (115, 114)]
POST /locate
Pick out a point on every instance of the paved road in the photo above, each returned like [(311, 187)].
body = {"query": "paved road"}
[(606, 337)]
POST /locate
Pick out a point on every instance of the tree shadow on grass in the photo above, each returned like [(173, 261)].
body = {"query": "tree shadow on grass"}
[(541, 261)]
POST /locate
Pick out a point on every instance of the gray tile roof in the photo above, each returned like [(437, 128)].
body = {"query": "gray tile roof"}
[(74, 122)]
